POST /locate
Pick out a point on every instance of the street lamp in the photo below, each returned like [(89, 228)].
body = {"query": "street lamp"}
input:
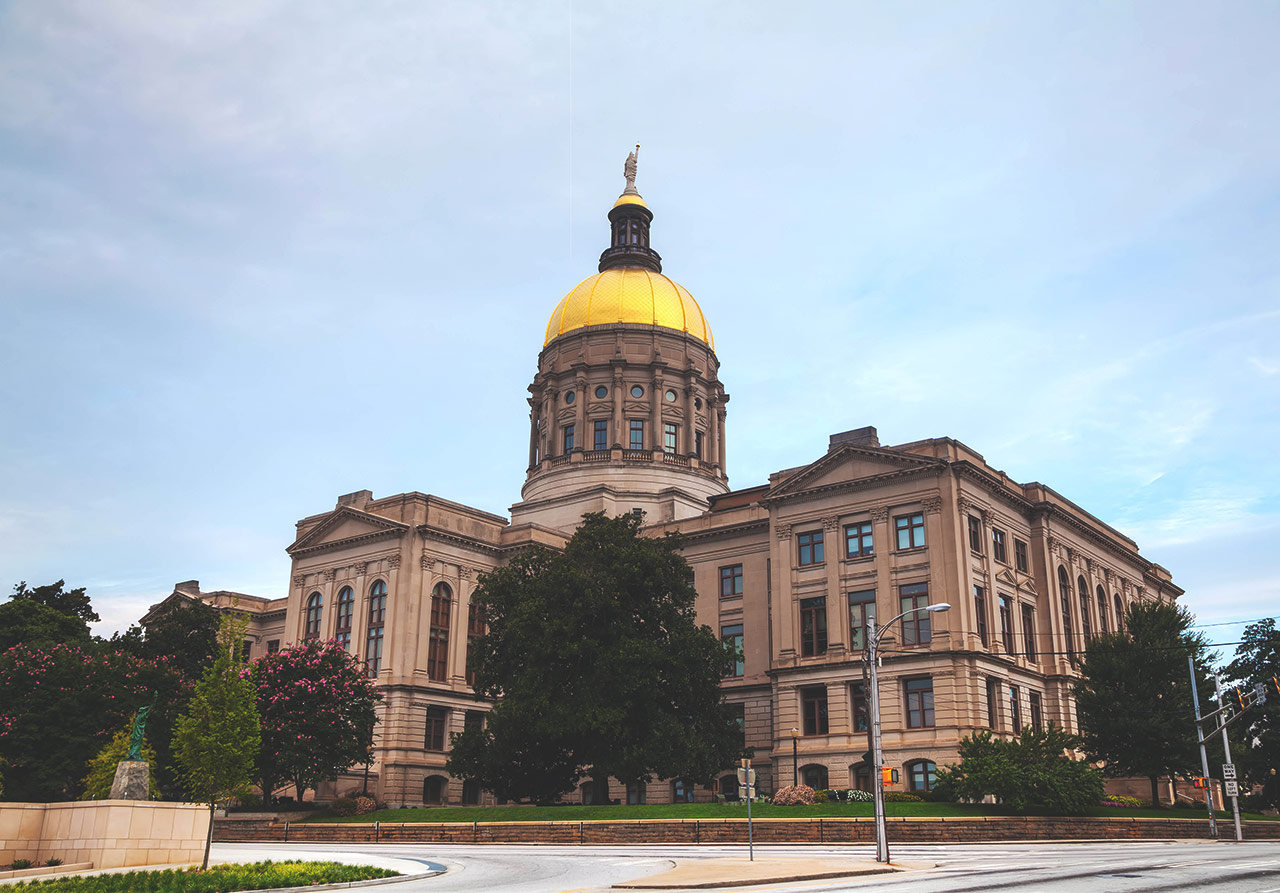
[(873, 645), (795, 770)]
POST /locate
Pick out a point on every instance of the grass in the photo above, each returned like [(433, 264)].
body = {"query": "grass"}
[(218, 879), (722, 811)]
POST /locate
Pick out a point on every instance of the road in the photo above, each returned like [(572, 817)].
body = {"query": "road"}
[(1121, 867)]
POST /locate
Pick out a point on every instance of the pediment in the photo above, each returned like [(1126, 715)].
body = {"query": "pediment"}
[(345, 526), (851, 463), (1008, 577)]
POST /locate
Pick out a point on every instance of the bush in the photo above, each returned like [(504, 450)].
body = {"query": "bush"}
[(902, 797), (794, 795), (821, 796), (365, 805), (1121, 800), (19, 864), (343, 806), (53, 863)]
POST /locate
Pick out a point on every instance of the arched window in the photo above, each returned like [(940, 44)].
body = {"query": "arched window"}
[(637, 793), (814, 776), (1104, 623), (1085, 626), (728, 787), (921, 775), (346, 607), (861, 775), (681, 791), (315, 606), (1119, 613), (377, 620), (433, 788), (595, 792), (438, 638), (1064, 590), (471, 792)]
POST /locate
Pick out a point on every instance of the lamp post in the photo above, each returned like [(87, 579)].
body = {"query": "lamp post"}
[(795, 765), (877, 755)]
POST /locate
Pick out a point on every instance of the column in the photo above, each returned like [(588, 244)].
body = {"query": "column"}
[(655, 415), (713, 434), (686, 445)]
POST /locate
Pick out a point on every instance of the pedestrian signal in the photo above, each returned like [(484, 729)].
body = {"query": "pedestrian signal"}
[(1199, 782), (1239, 693), (1276, 682), (888, 776)]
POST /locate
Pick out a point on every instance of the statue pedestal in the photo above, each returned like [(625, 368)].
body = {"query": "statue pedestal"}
[(133, 781)]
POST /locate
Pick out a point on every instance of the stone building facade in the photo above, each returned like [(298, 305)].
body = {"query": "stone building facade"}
[(627, 414)]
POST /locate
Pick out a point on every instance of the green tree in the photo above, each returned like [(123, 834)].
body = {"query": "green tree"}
[(1032, 771), (102, 768), (1134, 697), (318, 708), (1257, 661), (183, 630), (216, 740), (25, 621), (601, 667), (72, 602)]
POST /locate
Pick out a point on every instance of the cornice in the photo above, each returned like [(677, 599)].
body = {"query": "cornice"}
[(722, 532), (333, 545), (849, 486), (992, 485), (428, 532)]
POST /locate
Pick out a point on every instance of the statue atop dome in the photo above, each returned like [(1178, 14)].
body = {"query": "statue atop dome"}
[(629, 171)]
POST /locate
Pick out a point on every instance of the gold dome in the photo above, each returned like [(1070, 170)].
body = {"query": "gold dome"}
[(629, 294), (630, 199)]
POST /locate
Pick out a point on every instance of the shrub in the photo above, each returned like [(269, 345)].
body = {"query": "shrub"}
[(902, 797), (794, 795), (19, 864), (1121, 800), (365, 805), (53, 863), (343, 806), (856, 796), (821, 796)]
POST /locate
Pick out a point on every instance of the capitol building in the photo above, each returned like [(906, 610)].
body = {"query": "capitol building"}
[(627, 414)]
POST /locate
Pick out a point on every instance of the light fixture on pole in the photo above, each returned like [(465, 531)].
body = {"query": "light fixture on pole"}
[(877, 755), (795, 770)]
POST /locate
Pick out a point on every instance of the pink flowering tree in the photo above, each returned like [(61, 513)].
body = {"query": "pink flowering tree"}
[(318, 706)]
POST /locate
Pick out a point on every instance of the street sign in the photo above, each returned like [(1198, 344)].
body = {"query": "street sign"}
[(1231, 788), (746, 777), (1228, 771), (746, 793), (1260, 692)]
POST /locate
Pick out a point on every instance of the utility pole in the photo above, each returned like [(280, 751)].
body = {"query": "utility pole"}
[(1204, 759), (1226, 752)]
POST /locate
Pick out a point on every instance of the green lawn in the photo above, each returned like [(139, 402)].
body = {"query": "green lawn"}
[(719, 811)]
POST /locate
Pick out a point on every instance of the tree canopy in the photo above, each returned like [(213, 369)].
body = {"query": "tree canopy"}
[(1134, 698), (185, 630), (102, 768), (600, 666), (72, 602), (29, 622), (1257, 660)]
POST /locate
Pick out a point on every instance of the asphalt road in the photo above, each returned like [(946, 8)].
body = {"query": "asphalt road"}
[(1103, 867)]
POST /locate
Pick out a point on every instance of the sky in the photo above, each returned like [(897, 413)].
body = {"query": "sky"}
[(257, 255)]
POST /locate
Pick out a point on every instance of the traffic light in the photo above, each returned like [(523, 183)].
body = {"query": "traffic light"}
[(1199, 782), (1276, 682), (888, 776), (1239, 693)]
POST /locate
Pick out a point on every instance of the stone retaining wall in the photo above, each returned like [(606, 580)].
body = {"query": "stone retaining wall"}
[(713, 831), (107, 833)]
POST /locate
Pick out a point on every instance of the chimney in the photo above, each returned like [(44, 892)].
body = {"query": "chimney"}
[(857, 437), (190, 587), (357, 500)]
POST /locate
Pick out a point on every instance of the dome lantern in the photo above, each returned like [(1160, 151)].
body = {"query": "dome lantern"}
[(629, 220)]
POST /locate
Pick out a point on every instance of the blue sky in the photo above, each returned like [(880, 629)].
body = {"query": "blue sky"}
[(257, 255)]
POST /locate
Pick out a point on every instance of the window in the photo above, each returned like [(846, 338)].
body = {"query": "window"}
[(600, 434), (813, 626), (857, 540), (862, 608), (433, 788), (1119, 613), (346, 607), (862, 776), (1064, 590), (377, 620), (570, 396), (671, 395), (810, 544), (1015, 709), (246, 648), (697, 444), (993, 704), (728, 788), (980, 612), (636, 792), (601, 391), (1020, 555), (637, 434), (471, 792), (1103, 622), (858, 699), (730, 581), (919, 698), (921, 775), (1029, 632), (669, 435), (997, 546), (438, 636), (437, 720), (813, 710), (475, 629), (681, 791), (1037, 712), (915, 627), (273, 645), (1006, 623), (975, 534), (473, 719), (568, 438), (315, 607), (814, 776), (731, 636), (637, 391), (1085, 626), (739, 712), (910, 530)]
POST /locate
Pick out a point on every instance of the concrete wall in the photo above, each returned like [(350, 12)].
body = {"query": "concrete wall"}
[(108, 833)]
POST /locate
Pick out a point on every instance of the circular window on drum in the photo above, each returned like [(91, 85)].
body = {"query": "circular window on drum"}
[(602, 392), (671, 396), (569, 397), (637, 391)]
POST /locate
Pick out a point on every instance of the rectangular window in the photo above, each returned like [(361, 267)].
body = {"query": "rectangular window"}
[(731, 636), (438, 634), (730, 581), (813, 626), (993, 704), (1015, 709), (246, 647), (858, 701), (697, 444), (273, 645), (810, 544), (862, 608), (473, 719), (919, 697), (377, 620), (636, 427), (997, 546), (915, 627), (1020, 555), (739, 712), (475, 629), (600, 435), (980, 612), (568, 438), (910, 530), (975, 534), (857, 540), (1029, 632), (670, 433), (813, 708), (437, 720), (1006, 623), (1037, 712)]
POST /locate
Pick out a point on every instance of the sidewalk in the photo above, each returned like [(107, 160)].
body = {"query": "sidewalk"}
[(738, 872)]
